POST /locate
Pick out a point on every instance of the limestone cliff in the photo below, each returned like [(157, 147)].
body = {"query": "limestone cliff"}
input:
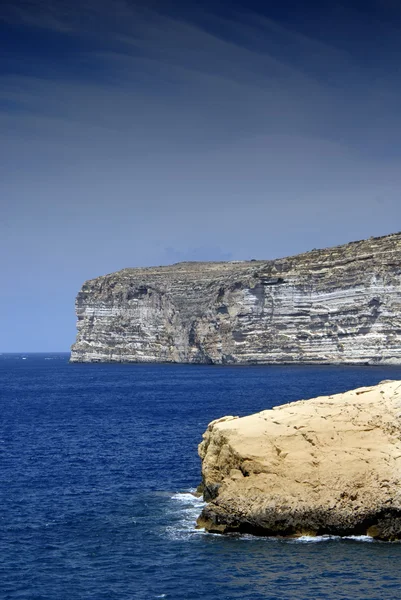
[(330, 465), (339, 305)]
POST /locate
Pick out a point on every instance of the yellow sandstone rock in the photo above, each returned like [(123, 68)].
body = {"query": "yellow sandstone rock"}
[(330, 465)]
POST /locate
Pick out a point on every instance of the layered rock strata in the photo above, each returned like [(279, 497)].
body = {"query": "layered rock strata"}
[(330, 465), (339, 305)]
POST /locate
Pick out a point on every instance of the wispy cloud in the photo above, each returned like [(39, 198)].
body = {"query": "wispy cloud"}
[(266, 78)]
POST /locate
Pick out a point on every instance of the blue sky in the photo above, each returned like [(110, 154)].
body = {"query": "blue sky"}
[(146, 133)]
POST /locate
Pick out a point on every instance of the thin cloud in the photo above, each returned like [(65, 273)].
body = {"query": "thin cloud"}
[(174, 72)]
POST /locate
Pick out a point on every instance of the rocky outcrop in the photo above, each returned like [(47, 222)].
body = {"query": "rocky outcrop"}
[(340, 305), (330, 465)]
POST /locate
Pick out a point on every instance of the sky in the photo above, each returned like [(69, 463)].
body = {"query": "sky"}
[(148, 133)]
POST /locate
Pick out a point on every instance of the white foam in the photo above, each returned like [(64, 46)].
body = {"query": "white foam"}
[(309, 539), (188, 498), (359, 538), (187, 507), (313, 539)]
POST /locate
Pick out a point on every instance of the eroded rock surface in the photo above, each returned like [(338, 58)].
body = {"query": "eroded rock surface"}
[(339, 305), (330, 465)]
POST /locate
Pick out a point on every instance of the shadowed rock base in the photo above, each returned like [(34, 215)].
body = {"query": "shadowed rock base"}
[(326, 466), (385, 526)]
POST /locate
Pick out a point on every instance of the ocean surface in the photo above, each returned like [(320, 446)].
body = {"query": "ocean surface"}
[(97, 463)]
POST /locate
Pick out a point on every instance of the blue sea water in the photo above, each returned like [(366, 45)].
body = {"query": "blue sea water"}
[(96, 467)]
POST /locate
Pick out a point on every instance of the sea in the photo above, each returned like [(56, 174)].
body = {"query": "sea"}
[(98, 464)]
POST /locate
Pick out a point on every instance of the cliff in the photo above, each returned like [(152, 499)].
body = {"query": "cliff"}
[(330, 465), (339, 305)]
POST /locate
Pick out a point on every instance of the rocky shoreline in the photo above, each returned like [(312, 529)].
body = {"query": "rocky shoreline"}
[(326, 466)]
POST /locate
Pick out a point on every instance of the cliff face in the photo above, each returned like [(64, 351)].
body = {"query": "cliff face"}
[(339, 305), (330, 465)]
